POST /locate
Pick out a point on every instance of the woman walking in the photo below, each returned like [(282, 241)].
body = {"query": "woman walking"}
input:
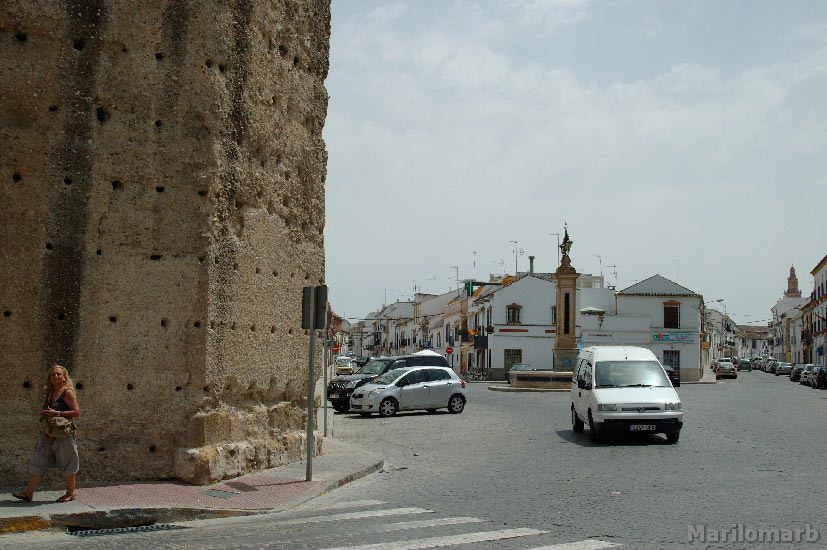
[(58, 450)]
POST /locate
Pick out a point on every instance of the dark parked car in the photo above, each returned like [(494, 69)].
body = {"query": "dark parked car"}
[(795, 374), (818, 377), (341, 387), (744, 364), (783, 368), (674, 376)]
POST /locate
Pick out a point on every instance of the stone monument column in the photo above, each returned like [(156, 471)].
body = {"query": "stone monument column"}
[(565, 344)]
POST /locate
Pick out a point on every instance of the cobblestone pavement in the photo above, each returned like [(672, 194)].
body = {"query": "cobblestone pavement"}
[(509, 473)]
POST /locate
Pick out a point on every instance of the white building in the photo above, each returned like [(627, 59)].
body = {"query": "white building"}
[(816, 322), (782, 312)]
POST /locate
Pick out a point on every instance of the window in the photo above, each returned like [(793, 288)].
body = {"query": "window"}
[(672, 358), (512, 356), (513, 314), (671, 314)]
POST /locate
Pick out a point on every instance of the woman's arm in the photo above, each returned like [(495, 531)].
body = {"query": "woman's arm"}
[(72, 402)]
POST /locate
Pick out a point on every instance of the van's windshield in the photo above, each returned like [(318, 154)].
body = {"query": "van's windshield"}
[(629, 374)]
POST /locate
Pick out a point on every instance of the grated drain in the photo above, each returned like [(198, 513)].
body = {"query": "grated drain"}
[(87, 532)]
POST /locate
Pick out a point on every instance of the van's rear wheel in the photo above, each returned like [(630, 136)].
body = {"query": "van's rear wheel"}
[(673, 437), (576, 424)]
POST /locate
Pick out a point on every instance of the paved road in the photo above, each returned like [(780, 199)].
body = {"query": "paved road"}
[(510, 466)]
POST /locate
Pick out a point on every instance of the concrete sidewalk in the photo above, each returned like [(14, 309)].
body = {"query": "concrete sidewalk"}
[(708, 378), (135, 504)]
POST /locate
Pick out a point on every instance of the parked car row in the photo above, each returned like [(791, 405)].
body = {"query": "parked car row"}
[(387, 385), (804, 373)]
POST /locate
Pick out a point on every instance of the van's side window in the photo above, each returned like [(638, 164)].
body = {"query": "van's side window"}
[(587, 373)]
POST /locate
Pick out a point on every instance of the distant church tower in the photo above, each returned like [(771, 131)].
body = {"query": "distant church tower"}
[(792, 285)]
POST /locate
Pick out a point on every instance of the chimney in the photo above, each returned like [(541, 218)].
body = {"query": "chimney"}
[(531, 265)]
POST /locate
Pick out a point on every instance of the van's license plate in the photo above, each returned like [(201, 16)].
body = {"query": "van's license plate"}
[(642, 428)]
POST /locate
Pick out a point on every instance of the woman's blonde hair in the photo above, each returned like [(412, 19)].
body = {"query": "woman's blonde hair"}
[(70, 384)]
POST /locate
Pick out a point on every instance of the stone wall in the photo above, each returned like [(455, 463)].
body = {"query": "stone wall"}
[(162, 202)]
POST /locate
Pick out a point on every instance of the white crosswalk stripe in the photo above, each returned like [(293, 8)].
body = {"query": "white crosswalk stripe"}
[(348, 504), (451, 540), (589, 544), (423, 524), (352, 516)]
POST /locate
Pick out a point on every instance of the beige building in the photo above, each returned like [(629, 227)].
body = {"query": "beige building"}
[(162, 194)]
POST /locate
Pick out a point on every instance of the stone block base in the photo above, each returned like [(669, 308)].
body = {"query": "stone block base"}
[(212, 463)]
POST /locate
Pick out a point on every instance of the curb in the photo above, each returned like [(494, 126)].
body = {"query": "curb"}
[(134, 517)]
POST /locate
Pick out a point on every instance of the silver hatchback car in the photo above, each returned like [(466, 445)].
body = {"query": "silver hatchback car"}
[(411, 388)]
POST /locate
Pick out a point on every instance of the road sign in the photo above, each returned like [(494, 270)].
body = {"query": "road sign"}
[(335, 348), (449, 350)]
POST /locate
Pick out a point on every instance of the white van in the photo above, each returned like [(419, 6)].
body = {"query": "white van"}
[(623, 389)]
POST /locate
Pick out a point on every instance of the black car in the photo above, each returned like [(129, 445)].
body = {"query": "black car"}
[(340, 388), (674, 376), (795, 374)]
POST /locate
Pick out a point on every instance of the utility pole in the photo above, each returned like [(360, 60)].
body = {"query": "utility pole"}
[(456, 273)]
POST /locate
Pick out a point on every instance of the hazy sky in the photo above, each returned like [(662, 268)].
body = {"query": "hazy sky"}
[(686, 138)]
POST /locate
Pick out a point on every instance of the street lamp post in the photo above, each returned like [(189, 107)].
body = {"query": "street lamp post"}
[(558, 246)]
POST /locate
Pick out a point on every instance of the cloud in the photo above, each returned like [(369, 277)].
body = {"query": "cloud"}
[(452, 142)]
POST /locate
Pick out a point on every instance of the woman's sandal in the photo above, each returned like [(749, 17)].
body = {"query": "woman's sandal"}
[(66, 498), (22, 496)]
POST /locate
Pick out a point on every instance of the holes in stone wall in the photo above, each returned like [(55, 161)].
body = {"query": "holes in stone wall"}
[(296, 61), (27, 384), (101, 449), (285, 202), (252, 328), (7, 313), (79, 385), (202, 193), (258, 270), (155, 257), (306, 276), (201, 260), (16, 177), (52, 108), (78, 44), (222, 67), (98, 252), (235, 267), (212, 325), (130, 387), (113, 319), (21, 36), (178, 388), (67, 181), (50, 246), (275, 273), (159, 189), (152, 448), (117, 185), (206, 389), (282, 50), (164, 322), (232, 327), (159, 56), (290, 331), (158, 123), (208, 63), (61, 316), (197, 324), (273, 329), (102, 114)]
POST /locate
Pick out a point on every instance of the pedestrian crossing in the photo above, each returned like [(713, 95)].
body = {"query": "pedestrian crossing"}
[(469, 532)]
